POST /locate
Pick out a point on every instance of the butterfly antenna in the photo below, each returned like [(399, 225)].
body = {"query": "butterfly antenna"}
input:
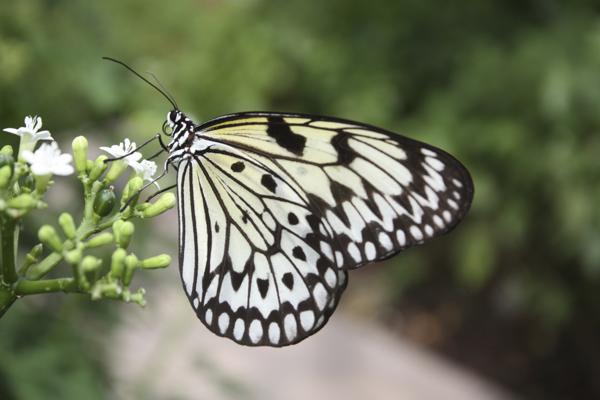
[(161, 91), (163, 88)]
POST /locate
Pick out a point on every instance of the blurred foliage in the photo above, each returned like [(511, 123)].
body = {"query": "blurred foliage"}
[(510, 87)]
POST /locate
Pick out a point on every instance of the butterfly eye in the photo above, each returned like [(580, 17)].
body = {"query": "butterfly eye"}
[(167, 129)]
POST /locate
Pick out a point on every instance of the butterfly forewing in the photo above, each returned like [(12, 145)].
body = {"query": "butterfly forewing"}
[(276, 207)]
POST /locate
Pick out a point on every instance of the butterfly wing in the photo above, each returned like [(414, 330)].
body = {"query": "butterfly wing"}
[(275, 207), (252, 272)]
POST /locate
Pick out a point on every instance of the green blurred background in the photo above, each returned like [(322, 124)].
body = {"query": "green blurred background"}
[(512, 88)]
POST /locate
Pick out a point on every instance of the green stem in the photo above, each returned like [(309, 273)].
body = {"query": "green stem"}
[(43, 267), (9, 273), (7, 297), (26, 287)]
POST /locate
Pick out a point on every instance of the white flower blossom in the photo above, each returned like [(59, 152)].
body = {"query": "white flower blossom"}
[(31, 128), (122, 149), (49, 160), (146, 170), (30, 133)]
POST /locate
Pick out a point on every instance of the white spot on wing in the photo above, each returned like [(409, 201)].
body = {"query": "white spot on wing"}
[(370, 251), (416, 232), (290, 327), (320, 295), (307, 320), (438, 221), (401, 237), (447, 216), (238, 329), (255, 331), (385, 241), (428, 230), (428, 152), (330, 277), (208, 316), (435, 163), (274, 333), (354, 251), (223, 322)]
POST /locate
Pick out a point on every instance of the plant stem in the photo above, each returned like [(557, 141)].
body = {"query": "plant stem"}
[(40, 269), (9, 274), (7, 297), (26, 287)]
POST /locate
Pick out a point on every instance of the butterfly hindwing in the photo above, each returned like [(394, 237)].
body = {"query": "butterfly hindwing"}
[(249, 253)]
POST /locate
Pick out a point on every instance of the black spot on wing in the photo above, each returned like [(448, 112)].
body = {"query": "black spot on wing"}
[(299, 253), (283, 135), (268, 182), (263, 287), (288, 280), (292, 219), (237, 166)]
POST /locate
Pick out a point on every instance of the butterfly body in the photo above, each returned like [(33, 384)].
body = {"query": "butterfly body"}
[(275, 208)]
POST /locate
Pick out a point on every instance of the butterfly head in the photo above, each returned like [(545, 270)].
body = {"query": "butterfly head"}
[(176, 123), (180, 128)]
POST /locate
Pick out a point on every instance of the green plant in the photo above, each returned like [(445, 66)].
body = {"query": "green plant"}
[(24, 181)]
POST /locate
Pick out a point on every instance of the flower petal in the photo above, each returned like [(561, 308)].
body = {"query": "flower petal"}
[(28, 156), (62, 169), (43, 135), (12, 130), (40, 169)]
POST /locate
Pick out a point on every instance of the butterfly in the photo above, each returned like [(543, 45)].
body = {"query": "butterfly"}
[(274, 209)]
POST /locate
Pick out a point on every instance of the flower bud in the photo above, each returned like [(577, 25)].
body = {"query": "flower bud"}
[(116, 170), (131, 263), (100, 240), (49, 237), (90, 264), (160, 261), (5, 175), (73, 257), (98, 168), (104, 202), (164, 203), (23, 201), (123, 233), (7, 149), (117, 263), (67, 224), (131, 189), (80, 148), (7, 160)]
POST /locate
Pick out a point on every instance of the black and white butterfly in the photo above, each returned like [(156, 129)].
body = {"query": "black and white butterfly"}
[(276, 208)]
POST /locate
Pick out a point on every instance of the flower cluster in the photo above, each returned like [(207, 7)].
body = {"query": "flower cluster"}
[(23, 185)]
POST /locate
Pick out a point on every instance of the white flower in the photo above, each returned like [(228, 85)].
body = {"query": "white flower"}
[(122, 149), (30, 133), (31, 128), (145, 169), (49, 160)]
